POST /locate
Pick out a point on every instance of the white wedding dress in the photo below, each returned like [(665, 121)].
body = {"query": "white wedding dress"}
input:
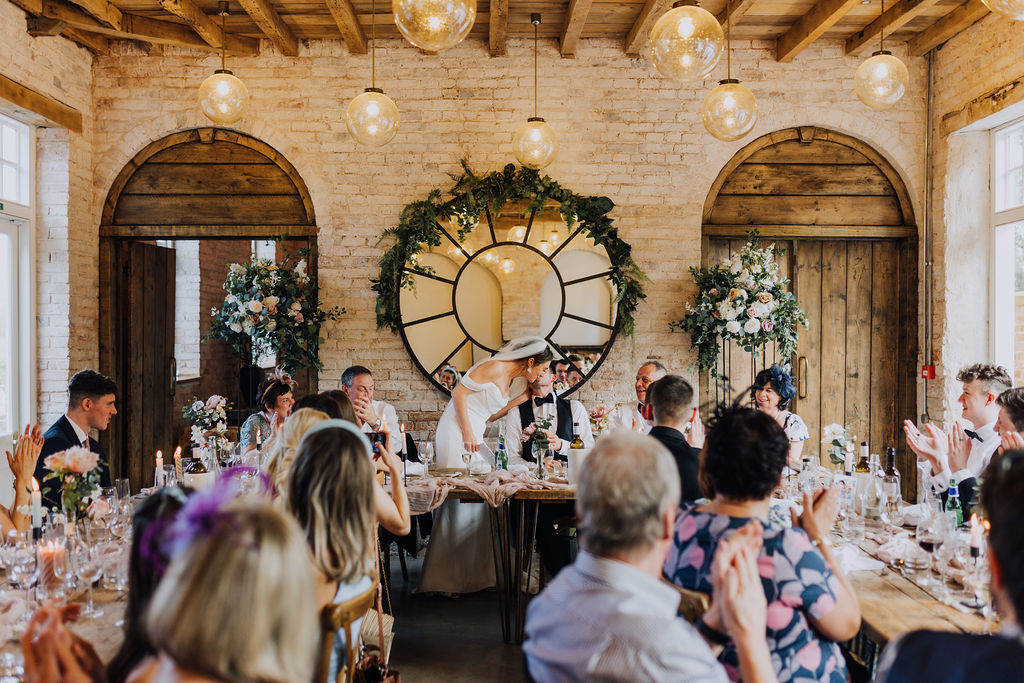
[(459, 558)]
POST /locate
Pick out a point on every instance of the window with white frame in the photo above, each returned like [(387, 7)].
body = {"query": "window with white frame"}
[(1008, 248), (15, 161)]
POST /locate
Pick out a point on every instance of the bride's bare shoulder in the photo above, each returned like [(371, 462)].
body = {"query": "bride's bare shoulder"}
[(487, 371)]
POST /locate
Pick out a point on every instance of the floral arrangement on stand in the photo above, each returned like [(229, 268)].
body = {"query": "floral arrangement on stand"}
[(745, 300), (600, 420), (78, 471), (277, 307), (209, 421), (840, 439)]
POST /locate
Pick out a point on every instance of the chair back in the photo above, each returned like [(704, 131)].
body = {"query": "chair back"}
[(340, 617), (692, 604)]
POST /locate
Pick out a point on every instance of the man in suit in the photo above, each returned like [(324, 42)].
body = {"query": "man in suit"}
[(91, 399), (357, 383), (671, 398), (630, 416)]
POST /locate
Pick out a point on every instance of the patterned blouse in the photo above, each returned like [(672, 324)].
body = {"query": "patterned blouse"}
[(797, 583), (247, 434), (795, 428)]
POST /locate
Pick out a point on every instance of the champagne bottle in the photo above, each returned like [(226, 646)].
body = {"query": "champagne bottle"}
[(953, 506), (501, 457), (576, 442)]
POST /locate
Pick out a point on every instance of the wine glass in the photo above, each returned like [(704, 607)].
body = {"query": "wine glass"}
[(86, 560), (426, 450), (24, 572), (929, 537)]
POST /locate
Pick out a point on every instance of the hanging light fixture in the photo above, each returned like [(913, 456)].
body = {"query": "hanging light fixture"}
[(535, 143), (223, 96), (434, 25), (544, 245), (508, 266), (372, 117), (556, 236), (686, 43), (490, 258), (881, 79), (517, 233), (1011, 9), (730, 110)]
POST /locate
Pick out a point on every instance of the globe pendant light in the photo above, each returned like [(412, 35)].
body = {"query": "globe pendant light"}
[(222, 96), (434, 25), (686, 43), (730, 110), (372, 117), (881, 79), (1011, 9), (535, 143)]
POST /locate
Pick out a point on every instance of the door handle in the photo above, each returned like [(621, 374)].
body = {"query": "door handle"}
[(801, 369), (173, 365)]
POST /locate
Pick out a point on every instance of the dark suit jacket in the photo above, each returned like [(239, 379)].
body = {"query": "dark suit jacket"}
[(60, 437), (687, 460), (931, 657)]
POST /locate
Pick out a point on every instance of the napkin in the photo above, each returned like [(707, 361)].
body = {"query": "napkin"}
[(912, 514), (899, 546), (415, 469), (12, 609), (851, 559), (477, 465)]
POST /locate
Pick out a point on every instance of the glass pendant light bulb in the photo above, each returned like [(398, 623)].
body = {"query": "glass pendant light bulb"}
[(508, 266), (223, 97), (372, 118), (881, 80), (1011, 9), (555, 237), (545, 246), (535, 143), (686, 42), (517, 233), (490, 258), (729, 111), (434, 25)]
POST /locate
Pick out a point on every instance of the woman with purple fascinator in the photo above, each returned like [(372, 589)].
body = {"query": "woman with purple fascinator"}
[(771, 393)]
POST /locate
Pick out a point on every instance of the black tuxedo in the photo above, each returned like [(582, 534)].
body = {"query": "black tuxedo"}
[(563, 428), (927, 656), (60, 437), (687, 460)]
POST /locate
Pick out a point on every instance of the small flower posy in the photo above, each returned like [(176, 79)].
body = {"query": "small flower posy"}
[(837, 436), (208, 420), (78, 471)]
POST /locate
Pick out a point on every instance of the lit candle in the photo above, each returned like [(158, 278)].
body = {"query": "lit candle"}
[(259, 437), (158, 474), (976, 532), (401, 432), (37, 505), (177, 463), (50, 558)]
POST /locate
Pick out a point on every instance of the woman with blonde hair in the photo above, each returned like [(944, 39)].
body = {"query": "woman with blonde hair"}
[(279, 456), (331, 493)]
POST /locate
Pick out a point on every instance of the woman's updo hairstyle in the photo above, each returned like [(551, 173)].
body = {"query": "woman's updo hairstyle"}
[(782, 384)]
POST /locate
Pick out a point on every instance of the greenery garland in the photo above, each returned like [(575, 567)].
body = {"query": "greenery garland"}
[(418, 229)]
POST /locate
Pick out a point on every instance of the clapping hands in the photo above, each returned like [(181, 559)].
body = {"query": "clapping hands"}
[(26, 453), (932, 447)]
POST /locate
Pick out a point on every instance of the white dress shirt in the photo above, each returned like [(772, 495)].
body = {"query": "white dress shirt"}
[(387, 411), (981, 454), (512, 428), (83, 436), (605, 620), (627, 416)]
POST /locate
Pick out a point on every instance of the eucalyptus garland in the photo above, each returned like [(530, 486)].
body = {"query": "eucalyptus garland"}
[(472, 196)]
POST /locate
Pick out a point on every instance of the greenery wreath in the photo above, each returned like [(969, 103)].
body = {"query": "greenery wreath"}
[(473, 195)]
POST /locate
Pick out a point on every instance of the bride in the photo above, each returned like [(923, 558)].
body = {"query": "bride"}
[(459, 558)]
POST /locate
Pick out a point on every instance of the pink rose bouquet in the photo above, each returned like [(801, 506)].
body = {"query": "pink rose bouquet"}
[(78, 471)]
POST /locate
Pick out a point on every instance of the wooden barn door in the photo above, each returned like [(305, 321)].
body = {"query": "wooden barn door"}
[(842, 214)]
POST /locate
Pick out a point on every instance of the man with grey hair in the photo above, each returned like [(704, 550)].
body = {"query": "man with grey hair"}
[(631, 415), (609, 616)]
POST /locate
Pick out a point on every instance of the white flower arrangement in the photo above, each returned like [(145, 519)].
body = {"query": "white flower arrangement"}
[(209, 420), (838, 437)]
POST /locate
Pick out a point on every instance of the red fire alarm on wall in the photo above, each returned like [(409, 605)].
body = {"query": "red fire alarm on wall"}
[(928, 371)]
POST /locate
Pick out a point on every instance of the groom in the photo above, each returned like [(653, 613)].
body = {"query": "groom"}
[(521, 424)]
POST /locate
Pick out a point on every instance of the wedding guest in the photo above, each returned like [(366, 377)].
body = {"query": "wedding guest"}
[(609, 616), (963, 453), (671, 398), (574, 376), (275, 402), (146, 565), (348, 411), (449, 377), (771, 393), (91, 398), (335, 403), (357, 383), (279, 455), (631, 416), (22, 464), (933, 657), (331, 493), (1011, 412), (811, 604)]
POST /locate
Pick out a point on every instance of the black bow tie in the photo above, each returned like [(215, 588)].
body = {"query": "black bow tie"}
[(539, 401), (973, 435)]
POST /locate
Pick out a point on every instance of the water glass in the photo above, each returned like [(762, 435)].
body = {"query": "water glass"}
[(426, 451), (86, 561), (170, 475), (24, 571), (123, 489)]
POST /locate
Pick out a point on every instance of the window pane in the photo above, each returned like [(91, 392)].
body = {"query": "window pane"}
[(9, 148), (1015, 149), (8, 305), (9, 185)]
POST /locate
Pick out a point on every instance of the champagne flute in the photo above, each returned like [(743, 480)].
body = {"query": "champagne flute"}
[(87, 563)]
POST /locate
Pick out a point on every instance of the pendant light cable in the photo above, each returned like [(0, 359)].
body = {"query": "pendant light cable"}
[(881, 29), (728, 39), (373, 44), (223, 34), (536, 22)]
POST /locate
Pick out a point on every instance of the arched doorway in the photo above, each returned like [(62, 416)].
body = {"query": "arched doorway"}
[(221, 193), (845, 218)]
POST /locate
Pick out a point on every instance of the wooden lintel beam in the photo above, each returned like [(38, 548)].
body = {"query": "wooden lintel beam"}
[(104, 11), (188, 11), (739, 9), (497, 28), (810, 27), (894, 18), (948, 26), (44, 105), (651, 12), (993, 101), (98, 44), (573, 27), (270, 22), (136, 27), (348, 25), (41, 26)]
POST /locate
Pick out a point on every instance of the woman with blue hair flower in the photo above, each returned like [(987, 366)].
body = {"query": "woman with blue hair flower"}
[(771, 393)]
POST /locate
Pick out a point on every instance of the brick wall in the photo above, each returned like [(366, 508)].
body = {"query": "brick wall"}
[(625, 132)]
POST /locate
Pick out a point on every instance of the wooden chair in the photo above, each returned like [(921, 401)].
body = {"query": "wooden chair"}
[(341, 617), (692, 604)]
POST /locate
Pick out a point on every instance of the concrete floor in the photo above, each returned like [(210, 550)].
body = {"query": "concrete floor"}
[(455, 640)]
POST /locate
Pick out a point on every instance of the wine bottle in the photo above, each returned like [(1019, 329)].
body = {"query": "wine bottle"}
[(196, 474), (806, 480), (576, 442), (873, 494), (890, 464)]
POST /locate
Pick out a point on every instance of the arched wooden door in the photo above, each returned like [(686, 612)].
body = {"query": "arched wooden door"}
[(219, 187), (845, 218)]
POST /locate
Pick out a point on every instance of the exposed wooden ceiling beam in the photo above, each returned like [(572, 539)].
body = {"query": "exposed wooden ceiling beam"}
[(102, 10), (90, 41), (44, 105), (810, 27), (573, 27), (348, 25), (497, 28), (41, 26), (142, 28), (894, 17), (652, 11), (739, 9), (948, 26), (188, 11), (269, 21)]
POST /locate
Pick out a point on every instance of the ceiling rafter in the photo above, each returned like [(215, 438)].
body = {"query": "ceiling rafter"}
[(893, 19), (736, 12), (348, 25), (273, 27), (810, 27), (652, 11), (962, 17), (497, 28), (572, 29)]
